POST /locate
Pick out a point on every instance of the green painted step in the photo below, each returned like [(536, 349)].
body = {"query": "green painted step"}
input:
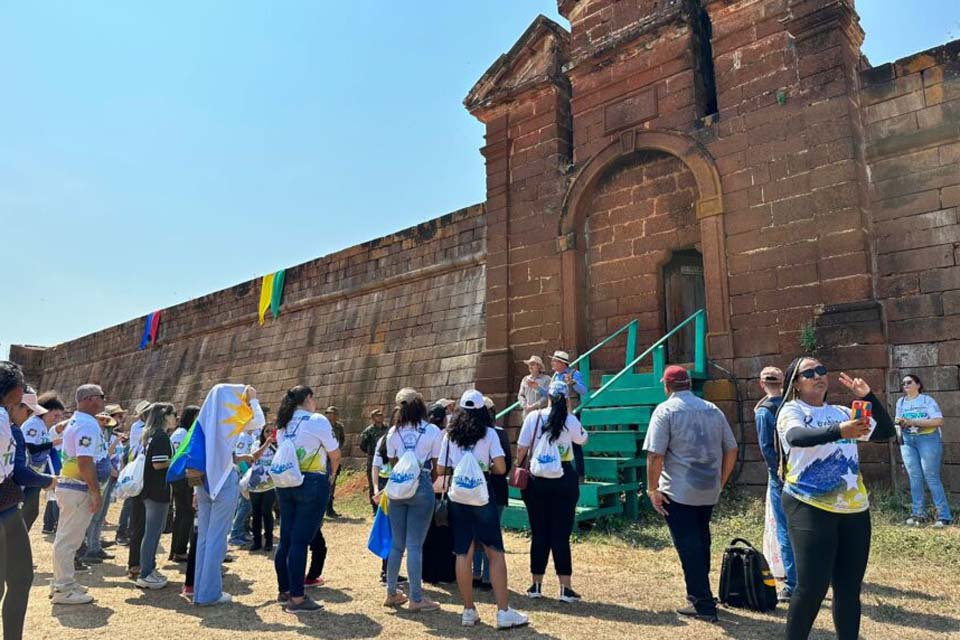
[(515, 515), (592, 494), (625, 443), (627, 397), (634, 380), (603, 416), (608, 469), (631, 397)]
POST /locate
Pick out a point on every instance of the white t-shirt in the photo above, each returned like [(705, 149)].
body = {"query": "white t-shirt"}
[(382, 466), (177, 437), (923, 407), (485, 450), (136, 435), (244, 444), (312, 437), (573, 433), (424, 440), (35, 431), (827, 475), (8, 446), (82, 437)]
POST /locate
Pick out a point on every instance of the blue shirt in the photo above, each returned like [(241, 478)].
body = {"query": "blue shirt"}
[(23, 475), (577, 384), (766, 433)]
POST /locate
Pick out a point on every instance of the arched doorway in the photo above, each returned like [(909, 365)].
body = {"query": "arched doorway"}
[(708, 209)]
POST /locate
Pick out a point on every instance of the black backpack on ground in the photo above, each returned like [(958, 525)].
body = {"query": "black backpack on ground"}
[(745, 578)]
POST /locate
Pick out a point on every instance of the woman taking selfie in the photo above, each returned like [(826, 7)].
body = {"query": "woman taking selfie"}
[(919, 418), (824, 497)]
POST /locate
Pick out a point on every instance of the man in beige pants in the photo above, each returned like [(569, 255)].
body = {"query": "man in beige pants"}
[(78, 494)]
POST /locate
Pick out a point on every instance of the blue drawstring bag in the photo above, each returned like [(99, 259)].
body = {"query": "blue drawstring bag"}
[(380, 539)]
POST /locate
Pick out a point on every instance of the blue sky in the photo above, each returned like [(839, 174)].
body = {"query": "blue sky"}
[(154, 152)]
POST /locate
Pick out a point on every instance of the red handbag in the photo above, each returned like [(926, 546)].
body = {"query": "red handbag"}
[(520, 477)]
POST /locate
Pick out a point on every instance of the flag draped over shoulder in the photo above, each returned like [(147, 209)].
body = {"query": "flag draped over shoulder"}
[(271, 291), (209, 445)]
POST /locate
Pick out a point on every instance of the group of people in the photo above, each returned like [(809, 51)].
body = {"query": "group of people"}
[(439, 473)]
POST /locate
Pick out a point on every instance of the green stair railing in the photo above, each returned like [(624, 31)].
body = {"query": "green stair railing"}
[(583, 362), (659, 356)]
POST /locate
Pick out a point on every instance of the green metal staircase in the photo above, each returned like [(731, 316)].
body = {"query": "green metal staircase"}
[(617, 414)]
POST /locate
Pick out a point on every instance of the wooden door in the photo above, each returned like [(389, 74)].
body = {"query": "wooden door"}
[(684, 294)]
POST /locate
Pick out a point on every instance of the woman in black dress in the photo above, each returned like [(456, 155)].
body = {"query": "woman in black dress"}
[(439, 561)]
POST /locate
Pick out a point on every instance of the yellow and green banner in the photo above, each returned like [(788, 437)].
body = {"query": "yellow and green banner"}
[(271, 290)]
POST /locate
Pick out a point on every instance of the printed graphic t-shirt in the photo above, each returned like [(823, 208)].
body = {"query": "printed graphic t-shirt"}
[(82, 437), (485, 450), (826, 476), (312, 437), (923, 407), (8, 446), (535, 424)]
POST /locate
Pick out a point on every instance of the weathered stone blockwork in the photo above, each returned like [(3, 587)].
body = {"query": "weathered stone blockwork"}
[(817, 196), (357, 325), (911, 114)]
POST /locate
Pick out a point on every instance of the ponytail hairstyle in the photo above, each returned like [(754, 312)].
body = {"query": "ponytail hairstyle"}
[(293, 398), (557, 419), (156, 420), (469, 426)]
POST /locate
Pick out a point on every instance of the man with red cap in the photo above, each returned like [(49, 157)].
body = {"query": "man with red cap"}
[(691, 453)]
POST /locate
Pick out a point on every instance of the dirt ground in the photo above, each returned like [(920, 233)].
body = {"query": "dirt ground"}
[(630, 591)]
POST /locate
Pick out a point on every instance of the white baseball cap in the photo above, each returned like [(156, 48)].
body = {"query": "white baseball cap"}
[(471, 399)]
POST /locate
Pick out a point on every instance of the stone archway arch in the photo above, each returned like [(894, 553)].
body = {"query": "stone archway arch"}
[(709, 212)]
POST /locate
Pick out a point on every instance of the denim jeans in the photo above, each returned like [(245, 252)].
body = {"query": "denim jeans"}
[(775, 492), (409, 524), (238, 534), (922, 455), (481, 563), (155, 517), (96, 524), (214, 516), (301, 512)]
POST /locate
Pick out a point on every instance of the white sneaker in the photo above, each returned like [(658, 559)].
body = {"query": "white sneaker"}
[(76, 586), (152, 581), (940, 524), (71, 597), (511, 618), (469, 618), (225, 598)]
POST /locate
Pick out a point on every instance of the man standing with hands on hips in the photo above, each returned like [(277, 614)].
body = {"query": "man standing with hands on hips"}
[(78, 493), (691, 453)]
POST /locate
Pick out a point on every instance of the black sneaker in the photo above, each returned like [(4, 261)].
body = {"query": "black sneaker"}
[(48, 532), (255, 547), (103, 555), (90, 559), (784, 595), (535, 591), (383, 578), (690, 611), (123, 541), (401, 579), (79, 566), (306, 605), (568, 595), (106, 544)]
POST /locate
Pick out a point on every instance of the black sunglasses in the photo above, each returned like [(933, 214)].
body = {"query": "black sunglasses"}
[(809, 374), (906, 382)]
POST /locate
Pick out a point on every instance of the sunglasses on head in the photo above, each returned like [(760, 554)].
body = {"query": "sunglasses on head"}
[(809, 374)]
